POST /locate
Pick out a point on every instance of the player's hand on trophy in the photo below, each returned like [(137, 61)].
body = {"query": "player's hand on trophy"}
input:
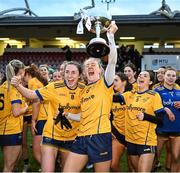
[(112, 27)]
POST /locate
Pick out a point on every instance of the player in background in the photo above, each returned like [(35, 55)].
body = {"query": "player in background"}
[(131, 72), (35, 80), (118, 111), (170, 131), (11, 119), (64, 98)]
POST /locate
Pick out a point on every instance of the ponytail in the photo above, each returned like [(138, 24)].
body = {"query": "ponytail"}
[(12, 69)]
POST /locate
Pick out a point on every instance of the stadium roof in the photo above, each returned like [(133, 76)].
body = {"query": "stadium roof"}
[(140, 26), (69, 20)]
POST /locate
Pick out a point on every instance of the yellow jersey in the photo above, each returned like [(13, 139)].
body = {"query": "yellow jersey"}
[(96, 102), (119, 112), (135, 86), (35, 84), (29, 110), (59, 95), (136, 131), (9, 124)]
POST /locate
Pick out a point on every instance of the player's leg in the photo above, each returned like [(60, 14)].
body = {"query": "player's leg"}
[(117, 152), (175, 157)]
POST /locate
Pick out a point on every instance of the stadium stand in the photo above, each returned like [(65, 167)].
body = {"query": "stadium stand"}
[(51, 58)]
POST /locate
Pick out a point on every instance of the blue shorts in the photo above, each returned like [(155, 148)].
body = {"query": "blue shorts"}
[(119, 136), (57, 143), (11, 140), (136, 149), (39, 127), (27, 119), (168, 134), (98, 147)]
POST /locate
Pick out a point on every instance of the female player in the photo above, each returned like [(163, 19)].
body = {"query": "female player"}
[(121, 85), (160, 76), (94, 141), (56, 136), (56, 76), (35, 80), (62, 96), (171, 129), (144, 111), (44, 72), (11, 119), (130, 71), (161, 140)]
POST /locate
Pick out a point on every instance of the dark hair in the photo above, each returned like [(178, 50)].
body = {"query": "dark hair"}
[(33, 70), (132, 66), (162, 67), (74, 63), (65, 48), (151, 74), (123, 78)]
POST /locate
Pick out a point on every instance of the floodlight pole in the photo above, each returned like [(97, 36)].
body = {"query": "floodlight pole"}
[(108, 2)]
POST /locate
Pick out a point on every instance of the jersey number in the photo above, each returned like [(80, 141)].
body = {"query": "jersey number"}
[(1, 102)]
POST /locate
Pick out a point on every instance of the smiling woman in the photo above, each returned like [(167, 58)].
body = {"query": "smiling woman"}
[(94, 141), (170, 131), (63, 96), (144, 112)]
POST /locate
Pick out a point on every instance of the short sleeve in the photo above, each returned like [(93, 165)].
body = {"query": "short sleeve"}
[(15, 96), (46, 93), (157, 103)]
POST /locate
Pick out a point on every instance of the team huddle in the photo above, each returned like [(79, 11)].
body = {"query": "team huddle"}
[(90, 115)]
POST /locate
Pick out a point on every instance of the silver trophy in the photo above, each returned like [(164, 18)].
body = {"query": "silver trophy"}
[(96, 21), (97, 46)]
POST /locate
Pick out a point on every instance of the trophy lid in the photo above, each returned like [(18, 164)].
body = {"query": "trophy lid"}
[(96, 13)]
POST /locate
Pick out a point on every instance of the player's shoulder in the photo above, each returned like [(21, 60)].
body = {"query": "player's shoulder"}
[(176, 86), (156, 85), (159, 88), (81, 85), (151, 92), (59, 84)]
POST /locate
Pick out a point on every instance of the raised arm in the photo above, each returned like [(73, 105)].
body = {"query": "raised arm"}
[(112, 58), (25, 92)]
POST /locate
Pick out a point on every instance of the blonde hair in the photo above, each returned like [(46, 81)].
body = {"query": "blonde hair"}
[(96, 60), (12, 69), (170, 68)]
